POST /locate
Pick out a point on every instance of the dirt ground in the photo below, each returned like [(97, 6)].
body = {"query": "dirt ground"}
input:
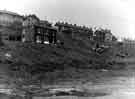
[(101, 84), (117, 85)]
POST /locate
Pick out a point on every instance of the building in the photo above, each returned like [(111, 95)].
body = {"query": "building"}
[(38, 31), (7, 18), (45, 23), (28, 32), (45, 34), (10, 26), (75, 31)]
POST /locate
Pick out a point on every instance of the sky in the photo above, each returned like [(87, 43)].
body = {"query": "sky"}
[(117, 15)]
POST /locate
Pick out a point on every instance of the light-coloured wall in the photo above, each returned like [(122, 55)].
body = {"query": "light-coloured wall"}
[(7, 19), (28, 28)]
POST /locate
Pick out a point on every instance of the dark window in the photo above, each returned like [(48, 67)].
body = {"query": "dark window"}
[(14, 38)]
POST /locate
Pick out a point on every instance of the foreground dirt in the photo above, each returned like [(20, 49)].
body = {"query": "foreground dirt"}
[(115, 85), (41, 61), (100, 84)]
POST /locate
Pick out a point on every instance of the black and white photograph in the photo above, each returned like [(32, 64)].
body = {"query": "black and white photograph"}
[(67, 49)]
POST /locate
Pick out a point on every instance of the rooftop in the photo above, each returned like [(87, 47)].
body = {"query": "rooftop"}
[(9, 12)]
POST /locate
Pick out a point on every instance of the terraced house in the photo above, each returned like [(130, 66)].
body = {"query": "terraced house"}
[(38, 31), (10, 26)]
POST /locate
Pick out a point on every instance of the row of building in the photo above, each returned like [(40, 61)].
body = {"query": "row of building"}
[(98, 35), (15, 27)]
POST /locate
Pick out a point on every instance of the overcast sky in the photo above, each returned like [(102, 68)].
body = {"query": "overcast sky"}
[(117, 15)]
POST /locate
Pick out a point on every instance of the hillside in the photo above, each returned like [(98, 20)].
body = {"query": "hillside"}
[(74, 62), (38, 59)]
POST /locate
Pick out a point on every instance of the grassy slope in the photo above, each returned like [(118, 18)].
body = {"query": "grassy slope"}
[(49, 61), (51, 65), (53, 62)]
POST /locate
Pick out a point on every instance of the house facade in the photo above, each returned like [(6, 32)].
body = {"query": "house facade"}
[(10, 26), (38, 31), (28, 32), (7, 18), (45, 34)]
